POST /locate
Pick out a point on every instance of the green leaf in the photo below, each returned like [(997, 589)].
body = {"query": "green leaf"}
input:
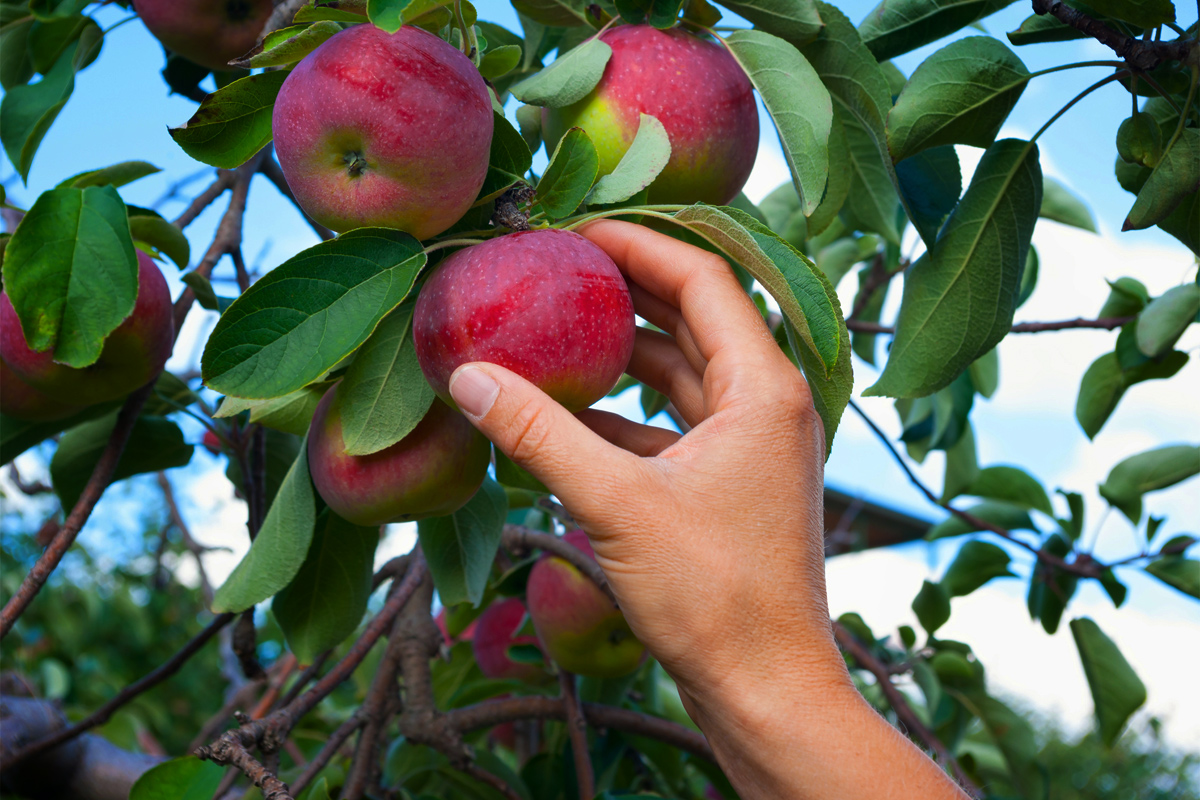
[(1043, 28), (327, 599), (960, 297), (985, 370), (309, 313), (70, 271), (1142, 13), (282, 450), (930, 184), (1115, 590), (664, 13), (186, 778), (1050, 589), (873, 203), (387, 14), (18, 435), (117, 175), (796, 21), (932, 607), (1060, 205), (162, 236), (291, 413), (1006, 515), (896, 27), (962, 466), (170, 393), (557, 13), (787, 83), (568, 78), (16, 66), (1174, 178), (154, 444), (50, 10), (863, 344), (508, 161), (838, 258), (1179, 572), (1184, 223), (510, 473), (1149, 471), (279, 550), (1013, 735), (460, 547), (570, 175), (794, 281), (1166, 318), (288, 45), (637, 169), (1116, 689), (529, 119), (499, 61), (233, 123), (975, 564), (1126, 297), (384, 394), (1105, 381), (28, 111), (831, 393), (837, 188), (1014, 485), (1072, 526), (959, 95)]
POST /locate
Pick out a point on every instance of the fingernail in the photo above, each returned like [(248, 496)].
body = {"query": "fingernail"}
[(474, 390)]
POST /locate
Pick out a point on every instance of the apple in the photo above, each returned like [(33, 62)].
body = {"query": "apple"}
[(212, 443), (467, 634), (495, 632), (430, 472), (694, 87), (209, 32), (547, 304), (378, 129), (19, 400), (133, 354), (578, 626)]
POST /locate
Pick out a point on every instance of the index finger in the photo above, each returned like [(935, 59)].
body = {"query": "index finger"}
[(718, 313)]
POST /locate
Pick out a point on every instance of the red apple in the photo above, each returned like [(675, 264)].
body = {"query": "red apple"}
[(378, 129), (133, 354), (547, 304), (212, 443), (495, 632), (694, 87), (578, 626), (430, 472), (19, 400), (467, 634), (209, 32)]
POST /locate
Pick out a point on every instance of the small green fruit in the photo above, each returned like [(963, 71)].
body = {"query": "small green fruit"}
[(1139, 140)]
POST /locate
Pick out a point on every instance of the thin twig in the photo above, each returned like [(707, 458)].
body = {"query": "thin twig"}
[(206, 198), (518, 537), (195, 548), (328, 750), (585, 776), (1141, 54), (1103, 323), (381, 702)]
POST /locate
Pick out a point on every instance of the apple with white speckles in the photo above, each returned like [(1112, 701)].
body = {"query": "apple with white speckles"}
[(210, 33), (379, 129), (694, 87), (547, 304)]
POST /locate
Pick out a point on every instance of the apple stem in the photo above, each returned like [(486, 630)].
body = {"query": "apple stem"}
[(356, 163)]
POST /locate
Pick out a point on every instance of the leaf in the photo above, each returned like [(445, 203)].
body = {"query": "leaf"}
[(508, 161), (117, 175), (1013, 735), (863, 344), (460, 547), (896, 27), (282, 450), (976, 563), (1060, 205), (1149, 471), (932, 607), (637, 169), (161, 235), (1116, 689), (1105, 381), (1179, 572), (568, 79), (873, 203), (1028, 279), (1161, 324), (1115, 590), (1142, 13), (1050, 589), (384, 394), (280, 548), (71, 272), (558, 13), (18, 435), (155, 443), (985, 370), (1073, 526), (291, 413), (1014, 485), (28, 111), (186, 778), (288, 45), (1184, 223), (1006, 515), (233, 123), (1126, 297), (959, 95), (837, 188), (327, 599), (960, 297), (930, 184), (1043, 28), (499, 61), (798, 103), (570, 174), (831, 394), (962, 466), (309, 313), (1174, 178), (796, 21)]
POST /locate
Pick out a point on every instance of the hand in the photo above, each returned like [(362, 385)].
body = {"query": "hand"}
[(712, 541)]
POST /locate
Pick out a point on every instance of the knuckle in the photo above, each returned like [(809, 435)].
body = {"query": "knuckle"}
[(529, 430)]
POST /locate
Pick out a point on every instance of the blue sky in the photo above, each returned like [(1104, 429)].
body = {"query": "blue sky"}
[(121, 110)]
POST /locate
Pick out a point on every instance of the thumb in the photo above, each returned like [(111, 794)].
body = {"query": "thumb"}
[(539, 434)]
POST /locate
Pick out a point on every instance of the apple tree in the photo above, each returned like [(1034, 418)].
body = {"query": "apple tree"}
[(406, 133)]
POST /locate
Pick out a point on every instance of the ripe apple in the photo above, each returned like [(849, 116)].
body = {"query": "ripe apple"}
[(212, 443), (378, 129), (495, 632), (19, 400), (431, 471), (133, 354), (547, 304), (694, 87), (578, 626), (209, 32)]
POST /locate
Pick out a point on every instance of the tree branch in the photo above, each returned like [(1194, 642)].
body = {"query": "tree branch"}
[(205, 199), (518, 537), (329, 750), (101, 477), (381, 702), (1103, 323), (195, 548), (585, 776), (900, 705), (1140, 54)]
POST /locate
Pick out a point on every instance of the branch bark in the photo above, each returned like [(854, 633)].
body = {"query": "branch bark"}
[(1140, 54), (585, 776), (1103, 323), (518, 537)]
